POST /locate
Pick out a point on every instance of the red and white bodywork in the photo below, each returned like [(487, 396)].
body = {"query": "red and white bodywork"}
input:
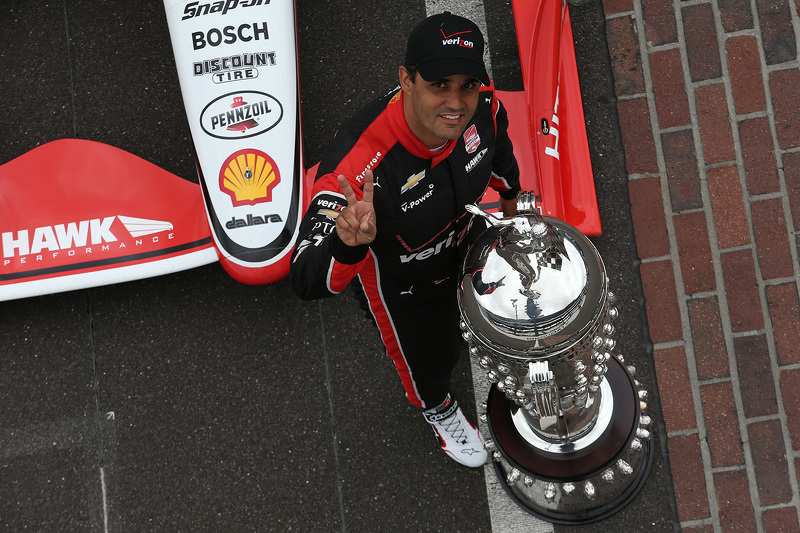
[(237, 66), (102, 215), (98, 215), (546, 121)]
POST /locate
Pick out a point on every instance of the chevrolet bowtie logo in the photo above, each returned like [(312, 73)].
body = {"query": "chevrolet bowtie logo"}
[(412, 182)]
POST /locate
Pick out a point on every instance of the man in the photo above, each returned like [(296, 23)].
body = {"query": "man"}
[(387, 214)]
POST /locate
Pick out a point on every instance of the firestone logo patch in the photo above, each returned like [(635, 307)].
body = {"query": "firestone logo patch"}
[(249, 177), (241, 115)]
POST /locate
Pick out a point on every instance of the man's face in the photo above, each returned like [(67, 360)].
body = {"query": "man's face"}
[(438, 111)]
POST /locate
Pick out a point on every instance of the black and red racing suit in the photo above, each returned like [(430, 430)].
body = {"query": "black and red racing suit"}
[(409, 272)]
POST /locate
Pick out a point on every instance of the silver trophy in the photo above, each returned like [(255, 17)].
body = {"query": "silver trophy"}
[(570, 437)]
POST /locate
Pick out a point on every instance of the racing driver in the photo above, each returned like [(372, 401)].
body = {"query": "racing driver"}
[(388, 214)]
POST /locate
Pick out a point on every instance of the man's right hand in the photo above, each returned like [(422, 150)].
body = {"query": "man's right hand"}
[(355, 224)]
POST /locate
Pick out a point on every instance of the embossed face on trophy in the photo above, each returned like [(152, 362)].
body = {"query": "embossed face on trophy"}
[(565, 415)]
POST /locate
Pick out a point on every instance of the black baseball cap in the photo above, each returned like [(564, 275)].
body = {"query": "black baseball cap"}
[(446, 44)]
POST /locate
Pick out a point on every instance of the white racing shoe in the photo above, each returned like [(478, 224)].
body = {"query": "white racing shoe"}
[(458, 438)]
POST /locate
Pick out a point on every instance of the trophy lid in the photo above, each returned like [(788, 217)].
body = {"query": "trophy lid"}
[(530, 283)]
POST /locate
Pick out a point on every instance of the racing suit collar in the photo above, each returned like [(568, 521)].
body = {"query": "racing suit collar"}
[(407, 138)]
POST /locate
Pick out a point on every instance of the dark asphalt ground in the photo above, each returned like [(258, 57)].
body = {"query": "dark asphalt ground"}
[(190, 402)]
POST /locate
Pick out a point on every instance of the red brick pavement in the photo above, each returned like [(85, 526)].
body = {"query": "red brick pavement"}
[(708, 97)]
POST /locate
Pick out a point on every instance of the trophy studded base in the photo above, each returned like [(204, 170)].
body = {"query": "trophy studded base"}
[(585, 480)]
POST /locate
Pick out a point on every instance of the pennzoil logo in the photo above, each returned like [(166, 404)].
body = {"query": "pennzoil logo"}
[(241, 115), (248, 177)]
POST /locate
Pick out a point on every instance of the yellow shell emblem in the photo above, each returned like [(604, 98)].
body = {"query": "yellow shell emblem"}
[(248, 177)]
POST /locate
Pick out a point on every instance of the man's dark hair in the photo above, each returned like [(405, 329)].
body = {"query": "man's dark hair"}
[(412, 72)]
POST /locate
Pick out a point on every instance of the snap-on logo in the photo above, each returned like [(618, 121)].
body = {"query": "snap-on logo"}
[(196, 9)]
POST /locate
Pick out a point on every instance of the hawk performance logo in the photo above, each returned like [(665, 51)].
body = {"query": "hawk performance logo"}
[(85, 237)]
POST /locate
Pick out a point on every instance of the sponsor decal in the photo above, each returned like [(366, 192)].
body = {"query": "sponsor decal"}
[(323, 227), (375, 160), (252, 220), (61, 243), (330, 205), (329, 213), (475, 160), (241, 115), (552, 151), (248, 177), (405, 206), (430, 251), (214, 37), (451, 240), (196, 9), (315, 240), (452, 39), (471, 139), (139, 227), (234, 68), (412, 182)]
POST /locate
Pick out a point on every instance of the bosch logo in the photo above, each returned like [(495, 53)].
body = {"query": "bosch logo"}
[(230, 35)]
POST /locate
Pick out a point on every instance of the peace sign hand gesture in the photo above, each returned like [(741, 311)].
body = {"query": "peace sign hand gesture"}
[(355, 224)]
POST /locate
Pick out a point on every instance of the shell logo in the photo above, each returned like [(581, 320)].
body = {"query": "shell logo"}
[(248, 177)]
